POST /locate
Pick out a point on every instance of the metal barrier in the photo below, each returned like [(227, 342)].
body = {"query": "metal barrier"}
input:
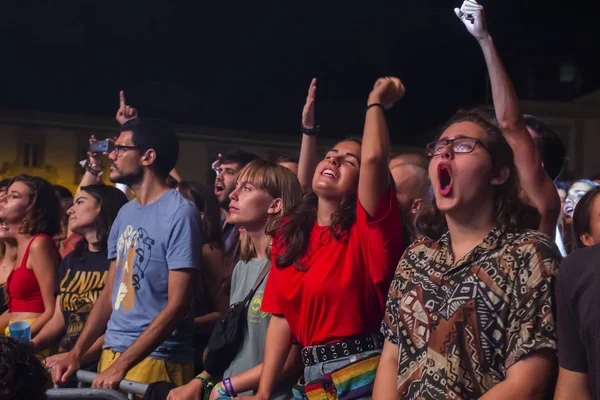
[(132, 388), (100, 394)]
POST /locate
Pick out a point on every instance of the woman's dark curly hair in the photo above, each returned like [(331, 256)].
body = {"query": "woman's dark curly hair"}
[(205, 200), (511, 212), (110, 200), (299, 222), (22, 375), (43, 213)]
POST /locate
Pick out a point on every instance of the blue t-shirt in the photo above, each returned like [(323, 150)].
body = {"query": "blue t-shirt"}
[(147, 241)]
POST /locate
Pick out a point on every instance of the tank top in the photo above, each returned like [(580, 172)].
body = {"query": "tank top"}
[(22, 288)]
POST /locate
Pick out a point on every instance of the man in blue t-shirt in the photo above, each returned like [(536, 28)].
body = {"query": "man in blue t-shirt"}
[(154, 247)]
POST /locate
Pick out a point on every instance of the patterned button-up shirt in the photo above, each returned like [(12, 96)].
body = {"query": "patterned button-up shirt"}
[(460, 326)]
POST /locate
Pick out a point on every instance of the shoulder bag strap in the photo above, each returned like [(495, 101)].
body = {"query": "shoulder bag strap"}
[(259, 280)]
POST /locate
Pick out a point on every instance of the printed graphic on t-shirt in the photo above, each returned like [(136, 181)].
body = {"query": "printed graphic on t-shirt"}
[(134, 250), (78, 292), (254, 313)]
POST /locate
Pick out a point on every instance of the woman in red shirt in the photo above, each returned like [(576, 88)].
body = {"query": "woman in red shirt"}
[(31, 211), (335, 254)]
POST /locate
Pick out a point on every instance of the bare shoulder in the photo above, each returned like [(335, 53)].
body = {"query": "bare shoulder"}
[(42, 250), (42, 244)]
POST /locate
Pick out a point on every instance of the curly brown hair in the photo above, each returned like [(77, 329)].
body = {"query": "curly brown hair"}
[(511, 212), (43, 213), (203, 196)]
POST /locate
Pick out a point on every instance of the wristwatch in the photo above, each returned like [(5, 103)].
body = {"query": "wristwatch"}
[(85, 164)]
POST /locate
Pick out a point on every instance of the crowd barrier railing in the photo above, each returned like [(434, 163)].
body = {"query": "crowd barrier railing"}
[(85, 393), (130, 387)]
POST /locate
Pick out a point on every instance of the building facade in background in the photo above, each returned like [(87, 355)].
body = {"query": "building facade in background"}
[(51, 146), (578, 125)]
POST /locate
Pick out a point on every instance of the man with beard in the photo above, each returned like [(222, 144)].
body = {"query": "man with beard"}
[(227, 167), (154, 245), (411, 182)]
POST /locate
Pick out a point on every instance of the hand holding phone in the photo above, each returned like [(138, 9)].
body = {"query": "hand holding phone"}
[(100, 147)]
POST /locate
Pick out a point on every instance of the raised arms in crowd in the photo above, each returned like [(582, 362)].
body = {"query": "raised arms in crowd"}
[(308, 150), (538, 188)]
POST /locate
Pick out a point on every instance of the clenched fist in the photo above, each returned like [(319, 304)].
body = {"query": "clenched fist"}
[(472, 15), (387, 91)]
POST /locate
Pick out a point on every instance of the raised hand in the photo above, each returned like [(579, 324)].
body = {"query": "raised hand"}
[(308, 112), (387, 91), (217, 164), (95, 160), (125, 112), (472, 15)]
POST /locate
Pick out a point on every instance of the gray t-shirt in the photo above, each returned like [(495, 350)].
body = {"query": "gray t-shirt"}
[(147, 241), (252, 350)]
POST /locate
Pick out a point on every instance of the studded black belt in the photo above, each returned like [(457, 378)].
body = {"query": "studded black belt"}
[(313, 355)]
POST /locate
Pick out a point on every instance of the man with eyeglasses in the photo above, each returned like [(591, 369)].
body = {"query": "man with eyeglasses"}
[(154, 245)]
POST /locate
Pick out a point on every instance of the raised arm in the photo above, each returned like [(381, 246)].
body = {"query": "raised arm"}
[(125, 112), (537, 185), (374, 178), (175, 175), (93, 169), (308, 151)]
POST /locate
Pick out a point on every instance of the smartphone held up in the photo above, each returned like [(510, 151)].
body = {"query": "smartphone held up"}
[(102, 146)]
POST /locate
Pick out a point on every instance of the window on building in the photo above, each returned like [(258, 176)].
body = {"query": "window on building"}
[(31, 147), (32, 154)]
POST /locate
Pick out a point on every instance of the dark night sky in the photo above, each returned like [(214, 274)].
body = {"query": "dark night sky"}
[(248, 64)]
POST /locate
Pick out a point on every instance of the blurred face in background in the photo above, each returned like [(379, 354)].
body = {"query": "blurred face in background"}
[(225, 181), (575, 193)]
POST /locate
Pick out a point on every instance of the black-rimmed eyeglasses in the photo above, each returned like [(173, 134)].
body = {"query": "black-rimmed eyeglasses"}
[(118, 149), (461, 145)]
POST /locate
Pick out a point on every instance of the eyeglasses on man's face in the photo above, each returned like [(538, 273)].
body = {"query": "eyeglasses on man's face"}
[(120, 150), (460, 145)]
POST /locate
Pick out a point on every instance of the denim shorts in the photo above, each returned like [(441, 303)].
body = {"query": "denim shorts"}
[(319, 371)]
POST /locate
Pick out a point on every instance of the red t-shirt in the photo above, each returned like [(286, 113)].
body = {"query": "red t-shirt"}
[(343, 291)]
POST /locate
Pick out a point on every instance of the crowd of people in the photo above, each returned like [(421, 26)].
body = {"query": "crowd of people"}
[(363, 274)]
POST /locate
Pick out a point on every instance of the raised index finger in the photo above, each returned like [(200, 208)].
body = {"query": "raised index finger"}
[(122, 98)]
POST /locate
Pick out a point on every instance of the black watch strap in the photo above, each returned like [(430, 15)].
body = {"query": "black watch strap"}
[(309, 132)]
